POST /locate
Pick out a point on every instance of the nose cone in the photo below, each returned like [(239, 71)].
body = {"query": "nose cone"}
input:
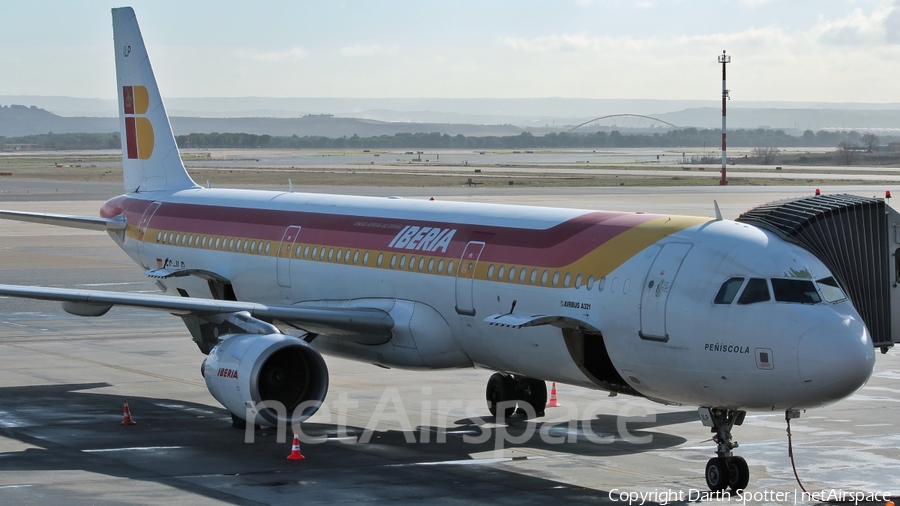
[(835, 359)]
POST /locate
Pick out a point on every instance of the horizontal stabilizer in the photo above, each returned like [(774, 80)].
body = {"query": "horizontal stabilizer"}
[(521, 320), (66, 220), (318, 320)]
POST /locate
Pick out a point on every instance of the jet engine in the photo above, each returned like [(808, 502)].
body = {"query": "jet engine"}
[(266, 379)]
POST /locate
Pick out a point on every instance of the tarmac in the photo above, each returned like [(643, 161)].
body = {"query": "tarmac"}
[(387, 436)]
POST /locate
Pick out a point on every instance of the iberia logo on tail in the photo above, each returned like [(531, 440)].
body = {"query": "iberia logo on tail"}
[(138, 130)]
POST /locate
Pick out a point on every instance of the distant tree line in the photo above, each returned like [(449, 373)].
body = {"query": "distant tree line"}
[(52, 141), (687, 137)]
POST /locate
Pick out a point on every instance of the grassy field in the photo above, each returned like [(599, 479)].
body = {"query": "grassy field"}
[(103, 167)]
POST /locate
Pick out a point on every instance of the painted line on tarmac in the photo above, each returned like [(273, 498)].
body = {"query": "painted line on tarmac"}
[(133, 448)]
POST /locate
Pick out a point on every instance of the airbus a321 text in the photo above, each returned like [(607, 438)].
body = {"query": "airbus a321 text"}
[(713, 313)]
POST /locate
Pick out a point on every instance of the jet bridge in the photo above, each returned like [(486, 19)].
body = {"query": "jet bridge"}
[(858, 238)]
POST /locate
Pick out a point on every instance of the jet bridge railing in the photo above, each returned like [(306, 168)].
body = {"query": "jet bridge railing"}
[(858, 239)]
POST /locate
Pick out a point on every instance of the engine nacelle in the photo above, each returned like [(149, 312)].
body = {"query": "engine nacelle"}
[(280, 371)]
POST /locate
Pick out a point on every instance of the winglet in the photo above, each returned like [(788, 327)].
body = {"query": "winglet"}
[(150, 158), (718, 213)]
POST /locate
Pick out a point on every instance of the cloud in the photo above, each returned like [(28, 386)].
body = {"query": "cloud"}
[(294, 54), (857, 28), (367, 50), (581, 43), (892, 25)]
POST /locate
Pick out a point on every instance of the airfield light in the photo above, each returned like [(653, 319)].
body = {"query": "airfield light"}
[(818, 192), (887, 194), (724, 59)]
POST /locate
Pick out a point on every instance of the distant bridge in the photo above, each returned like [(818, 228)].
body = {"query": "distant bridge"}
[(640, 117)]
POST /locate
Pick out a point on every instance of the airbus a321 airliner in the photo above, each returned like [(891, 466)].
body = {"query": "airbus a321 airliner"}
[(684, 310)]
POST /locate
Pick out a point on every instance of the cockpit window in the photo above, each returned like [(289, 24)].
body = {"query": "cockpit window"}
[(831, 292), (757, 290), (729, 291), (800, 291)]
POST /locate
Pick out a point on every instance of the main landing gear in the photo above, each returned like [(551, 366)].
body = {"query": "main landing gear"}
[(725, 470), (505, 391)]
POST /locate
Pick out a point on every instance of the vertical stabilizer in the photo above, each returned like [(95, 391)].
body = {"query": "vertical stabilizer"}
[(150, 156)]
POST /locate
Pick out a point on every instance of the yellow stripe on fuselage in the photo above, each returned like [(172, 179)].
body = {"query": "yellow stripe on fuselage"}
[(597, 263)]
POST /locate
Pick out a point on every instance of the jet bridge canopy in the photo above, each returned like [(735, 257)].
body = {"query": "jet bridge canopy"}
[(858, 238)]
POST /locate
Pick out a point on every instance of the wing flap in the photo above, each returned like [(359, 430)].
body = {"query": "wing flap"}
[(346, 321), (522, 320), (66, 220)]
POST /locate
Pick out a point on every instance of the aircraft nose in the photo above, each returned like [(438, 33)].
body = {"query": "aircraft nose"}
[(835, 358)]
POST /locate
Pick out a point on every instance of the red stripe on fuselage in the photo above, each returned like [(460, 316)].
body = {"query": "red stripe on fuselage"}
[(559, 245)]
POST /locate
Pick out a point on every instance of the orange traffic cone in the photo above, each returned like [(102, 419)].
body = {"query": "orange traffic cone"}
[(295, 449), (126, 415), (554, 402)]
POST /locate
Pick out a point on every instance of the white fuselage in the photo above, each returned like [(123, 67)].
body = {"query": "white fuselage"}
[(647, 282)]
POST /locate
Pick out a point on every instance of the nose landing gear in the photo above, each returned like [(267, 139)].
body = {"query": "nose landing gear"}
[(725, 470), (507, 390)]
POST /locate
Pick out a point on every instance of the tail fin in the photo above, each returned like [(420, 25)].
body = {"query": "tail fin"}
[(150, 156)]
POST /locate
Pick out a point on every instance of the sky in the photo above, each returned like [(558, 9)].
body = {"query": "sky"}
[(790, 50)]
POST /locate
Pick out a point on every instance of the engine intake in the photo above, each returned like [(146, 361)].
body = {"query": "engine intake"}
[(265, 378)]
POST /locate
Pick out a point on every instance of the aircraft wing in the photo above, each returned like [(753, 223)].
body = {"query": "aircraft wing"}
[(319, 320), (66, 220)]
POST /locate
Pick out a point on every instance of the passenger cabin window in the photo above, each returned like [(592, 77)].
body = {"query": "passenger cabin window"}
[(757, 290), (831, 292), (801, 291), (729, 291)]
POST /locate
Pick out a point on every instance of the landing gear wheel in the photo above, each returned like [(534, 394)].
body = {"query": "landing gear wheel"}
[(725, 470), (533, 392), (717, 476), (501, 388), (738, 473)]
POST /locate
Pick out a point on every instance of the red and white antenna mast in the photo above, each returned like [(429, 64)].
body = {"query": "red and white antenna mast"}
[(724, 59)]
